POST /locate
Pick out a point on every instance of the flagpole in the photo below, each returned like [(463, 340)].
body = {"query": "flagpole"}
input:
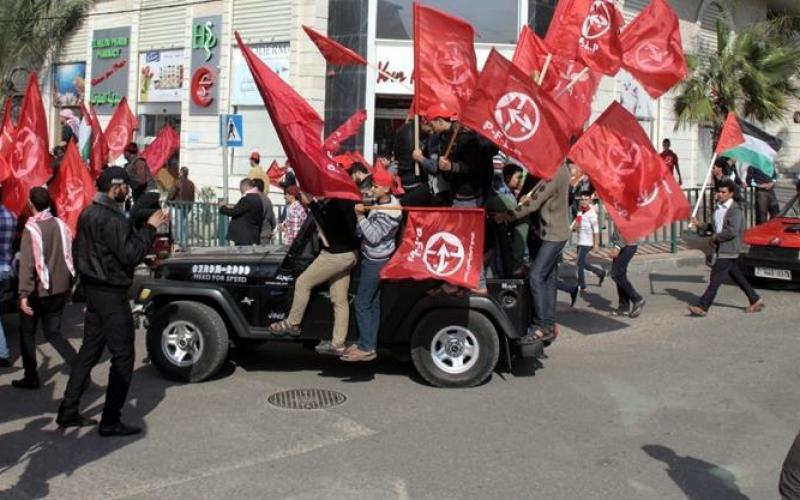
[(705, 183), (574, 80), (416, 142), (452, 140), (544, 69)]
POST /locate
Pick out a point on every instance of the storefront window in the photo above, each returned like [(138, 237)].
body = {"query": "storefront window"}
[(540, 12), (494, 21)]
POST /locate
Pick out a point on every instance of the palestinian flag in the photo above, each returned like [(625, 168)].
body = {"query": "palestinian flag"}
[(85, 134), (759, 148)]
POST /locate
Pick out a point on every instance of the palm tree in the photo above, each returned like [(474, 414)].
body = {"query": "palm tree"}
[(31, 30), (754, 74)]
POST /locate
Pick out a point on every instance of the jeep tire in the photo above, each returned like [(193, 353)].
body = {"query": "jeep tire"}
[(187, 341), (455, 348)]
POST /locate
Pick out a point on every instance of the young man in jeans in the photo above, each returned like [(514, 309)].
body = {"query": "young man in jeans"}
[(630, 302), (588, 229), (8, 226), (46, 274), (378, 229)]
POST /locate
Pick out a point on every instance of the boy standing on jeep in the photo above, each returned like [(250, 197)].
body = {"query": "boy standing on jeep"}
[(378, 230)]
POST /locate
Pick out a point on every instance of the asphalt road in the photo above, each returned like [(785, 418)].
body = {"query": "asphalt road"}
[(662, 407)]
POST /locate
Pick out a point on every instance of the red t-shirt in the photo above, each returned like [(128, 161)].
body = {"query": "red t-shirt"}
[(670, 158)]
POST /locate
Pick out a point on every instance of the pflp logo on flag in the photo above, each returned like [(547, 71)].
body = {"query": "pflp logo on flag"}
[(440, 244)]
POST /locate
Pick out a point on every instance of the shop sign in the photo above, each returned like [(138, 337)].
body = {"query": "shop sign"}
[(204, 87), (161, 76), (110, 68), (274, 55), (69, 84)]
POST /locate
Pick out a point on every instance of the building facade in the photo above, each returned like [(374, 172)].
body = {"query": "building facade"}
[(176, 61)]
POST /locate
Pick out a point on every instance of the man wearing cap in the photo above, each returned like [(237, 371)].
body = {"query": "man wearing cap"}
[(256, 172), (247, 215), (437, 190), (404, 144), (139, 176), (107, 250)]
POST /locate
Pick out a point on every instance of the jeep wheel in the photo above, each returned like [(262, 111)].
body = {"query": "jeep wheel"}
[(453, 351), (187, 341)]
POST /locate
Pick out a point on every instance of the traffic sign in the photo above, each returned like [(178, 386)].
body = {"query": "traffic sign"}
[(231, 131)]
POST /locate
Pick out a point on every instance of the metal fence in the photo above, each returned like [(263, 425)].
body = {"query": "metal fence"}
[(200, 224)]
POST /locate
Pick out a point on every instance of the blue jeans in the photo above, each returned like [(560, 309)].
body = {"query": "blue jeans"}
[(4, 354), (543, 277), (368, 303), (583, 253)]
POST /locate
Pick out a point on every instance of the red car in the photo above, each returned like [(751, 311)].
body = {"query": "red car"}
[(774, 252)]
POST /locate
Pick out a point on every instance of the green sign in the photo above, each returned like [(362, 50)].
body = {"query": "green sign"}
[(203, 37)]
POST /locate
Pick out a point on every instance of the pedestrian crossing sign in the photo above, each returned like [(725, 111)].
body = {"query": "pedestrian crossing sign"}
[(231, 131)]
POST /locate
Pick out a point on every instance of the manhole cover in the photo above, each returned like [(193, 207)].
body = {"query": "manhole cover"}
[(307, 399)]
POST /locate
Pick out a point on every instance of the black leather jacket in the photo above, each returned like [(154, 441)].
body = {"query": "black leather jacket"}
[(107, 249)]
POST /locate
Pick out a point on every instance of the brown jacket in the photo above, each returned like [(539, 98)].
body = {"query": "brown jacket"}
[(183, 190), (60, 277), (552, 205)]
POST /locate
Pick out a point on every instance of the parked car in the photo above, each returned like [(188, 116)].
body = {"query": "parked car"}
[(199, 302), (774, 252)]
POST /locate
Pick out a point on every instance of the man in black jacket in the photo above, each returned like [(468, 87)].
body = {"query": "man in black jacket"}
[(246, 216), (106, 251)]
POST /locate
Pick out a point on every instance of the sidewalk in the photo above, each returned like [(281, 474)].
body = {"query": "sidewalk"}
[(650, 257)]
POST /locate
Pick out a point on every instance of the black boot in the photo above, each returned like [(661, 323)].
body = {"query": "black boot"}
[(117, 429), (71, 418), (26, 383)]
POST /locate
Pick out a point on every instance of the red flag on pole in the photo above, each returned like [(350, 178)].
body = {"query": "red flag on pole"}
[(598, 46), (275, 173), (345, 131), (440, 244), (299, 129), (577, 101), (158, 152), (445, 67), (7, 131), (333, 52), (73, 188), (731, 135), (652, 49), (30, 158), (98, 159), (513, 112), (638, 190), (564, 32), (119, 132), (531, 55)]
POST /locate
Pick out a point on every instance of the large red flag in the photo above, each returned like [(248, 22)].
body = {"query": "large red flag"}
[(158, 152), (15, 194), (530, 56), (98, 159), (334, 52), (564, 32), (638, 190), (119, 132), (299, 129), (7, 130), (652, 49), (345, 131), (445, 67), (440, 244), (731, 134), (5, 169), (275, 173), (513, 112), (73, 188), (30, 158), (577, 101), (599, 46)]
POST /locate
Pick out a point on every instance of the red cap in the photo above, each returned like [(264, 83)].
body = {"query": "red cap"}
[(382, 177), (344, 161), (441, 110), (293, 190), (255, 156)]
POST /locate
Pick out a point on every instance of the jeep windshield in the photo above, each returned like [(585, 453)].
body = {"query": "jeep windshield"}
[(792, 209)]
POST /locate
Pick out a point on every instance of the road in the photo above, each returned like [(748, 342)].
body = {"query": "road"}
[(662, 407)]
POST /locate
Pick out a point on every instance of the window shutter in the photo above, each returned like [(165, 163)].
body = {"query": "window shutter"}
[(260, 21), (161, 27)]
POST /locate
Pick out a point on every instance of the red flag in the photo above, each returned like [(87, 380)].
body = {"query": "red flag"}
[(5, 169), (731, 135), (599, 46), (275, 173), (564, 32), (299, 129), (333, 52), (513, 112), (440, 244), (358, 157), (15, 195), (7, 131), (577, 101), (73, 188), (30, 158), (639, 191), (158, 152), (652, 49), (100, 151), (445, 67), (119, 132), (345, 131), (530, 56)]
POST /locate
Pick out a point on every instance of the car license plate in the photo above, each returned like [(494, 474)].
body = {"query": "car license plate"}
[(778, 274)]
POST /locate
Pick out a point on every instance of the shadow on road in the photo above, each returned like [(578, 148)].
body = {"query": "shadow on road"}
[(588, 322), (46, 452), (673, 278), (698, 479)]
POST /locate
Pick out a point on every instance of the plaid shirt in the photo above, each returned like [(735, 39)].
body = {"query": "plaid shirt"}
[(295, 216), (8, 229)]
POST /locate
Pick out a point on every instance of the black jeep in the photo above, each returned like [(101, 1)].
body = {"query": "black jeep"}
[(198, 302)]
